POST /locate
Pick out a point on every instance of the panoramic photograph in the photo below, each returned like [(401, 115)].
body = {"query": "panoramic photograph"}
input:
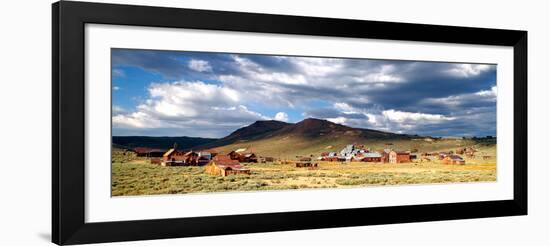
[(202, 122)]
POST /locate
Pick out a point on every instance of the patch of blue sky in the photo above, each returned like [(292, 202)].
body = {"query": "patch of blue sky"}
[(132, 87)]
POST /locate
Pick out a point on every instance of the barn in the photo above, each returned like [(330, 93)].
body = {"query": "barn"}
[(372, 157), (399, 157), (223, 165)]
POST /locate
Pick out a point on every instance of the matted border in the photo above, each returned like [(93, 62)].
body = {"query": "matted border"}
[(69, 19), (101, 207)]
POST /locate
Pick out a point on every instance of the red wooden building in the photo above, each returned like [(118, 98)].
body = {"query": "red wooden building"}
[(243, 157), (399, 157)]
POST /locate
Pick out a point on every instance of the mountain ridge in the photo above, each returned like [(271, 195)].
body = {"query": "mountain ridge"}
[(309, 133), (265, 132), (183, 142)]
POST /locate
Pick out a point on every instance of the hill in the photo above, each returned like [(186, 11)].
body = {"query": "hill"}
[(316, 128), (257, 130), (310, 136), (159, 142)]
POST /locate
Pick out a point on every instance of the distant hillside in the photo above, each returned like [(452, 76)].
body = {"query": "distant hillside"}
[(159, 142), (310, 136), (257, 130), (316, 128)]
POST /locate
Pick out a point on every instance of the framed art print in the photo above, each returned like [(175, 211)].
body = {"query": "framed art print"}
[(176, 122)]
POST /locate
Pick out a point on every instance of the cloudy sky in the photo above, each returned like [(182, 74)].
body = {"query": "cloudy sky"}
[(168, 93)]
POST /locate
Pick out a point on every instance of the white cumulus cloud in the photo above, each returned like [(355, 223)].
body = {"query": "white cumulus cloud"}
[(190, 109), (401, 116), (281, 116), (200, 65), (468, 70)]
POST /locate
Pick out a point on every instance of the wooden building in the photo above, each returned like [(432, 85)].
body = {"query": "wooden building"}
[(148, 152), (174, 157), (264, 159), (443, 155), (234, 155), (399, 157), (385, 155), (329, 158), (372, 157), (141, 151), (250, 157), (243, 157), (305, 164), (454, 159), (223, 165)]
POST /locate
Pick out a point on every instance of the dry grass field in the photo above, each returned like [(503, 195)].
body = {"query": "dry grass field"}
[(135, 176)]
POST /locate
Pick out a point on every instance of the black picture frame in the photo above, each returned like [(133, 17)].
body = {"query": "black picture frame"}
[(68, 122)]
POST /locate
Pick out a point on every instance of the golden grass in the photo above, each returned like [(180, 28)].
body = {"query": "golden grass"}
[(138, 177)]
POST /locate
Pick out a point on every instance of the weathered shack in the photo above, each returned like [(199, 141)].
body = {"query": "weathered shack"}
[(454, 159), (264, 159), (234, 155), (141, 151), (399, 157), (243, 157), (443, 155), (305, 164), (223, 165), (250, 157)]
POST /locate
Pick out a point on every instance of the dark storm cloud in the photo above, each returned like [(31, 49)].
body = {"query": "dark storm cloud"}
[(172, 65), (326, 113), (429, 98)]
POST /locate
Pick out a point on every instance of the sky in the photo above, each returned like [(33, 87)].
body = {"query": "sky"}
[(201, 94)]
